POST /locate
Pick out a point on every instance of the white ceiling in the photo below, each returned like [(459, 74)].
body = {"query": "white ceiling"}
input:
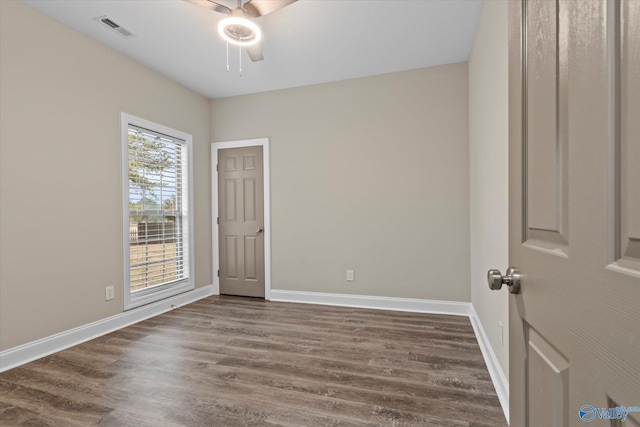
[(307, 42)]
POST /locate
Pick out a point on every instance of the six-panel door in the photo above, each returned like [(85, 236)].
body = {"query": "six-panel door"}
[(241, 221), (574, 233)]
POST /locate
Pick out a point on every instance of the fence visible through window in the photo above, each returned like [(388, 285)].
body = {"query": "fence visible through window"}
[(156, 190), (155, 254)]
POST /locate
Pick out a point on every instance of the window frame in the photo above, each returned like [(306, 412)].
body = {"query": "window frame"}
[(149, 295)]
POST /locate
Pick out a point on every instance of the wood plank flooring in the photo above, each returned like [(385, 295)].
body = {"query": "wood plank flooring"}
[(226, 361)]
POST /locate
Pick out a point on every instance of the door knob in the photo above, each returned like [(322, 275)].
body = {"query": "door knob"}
[(259, 230), (511, 279)]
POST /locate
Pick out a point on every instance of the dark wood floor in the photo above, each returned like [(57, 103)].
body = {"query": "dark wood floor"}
[(227, 361)]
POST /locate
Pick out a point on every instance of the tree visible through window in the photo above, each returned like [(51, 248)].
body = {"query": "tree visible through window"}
[(157, 205)]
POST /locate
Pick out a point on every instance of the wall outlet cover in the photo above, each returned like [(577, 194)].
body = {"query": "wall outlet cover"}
[(108, 293)]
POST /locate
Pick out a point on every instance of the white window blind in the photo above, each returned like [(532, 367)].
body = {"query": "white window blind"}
[(158, 210)]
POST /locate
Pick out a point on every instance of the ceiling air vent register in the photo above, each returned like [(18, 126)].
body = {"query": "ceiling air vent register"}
[(113, 26)]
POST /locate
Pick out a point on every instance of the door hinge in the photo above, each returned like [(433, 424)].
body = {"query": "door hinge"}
[(218, 273), (218, 220), (217, 167)]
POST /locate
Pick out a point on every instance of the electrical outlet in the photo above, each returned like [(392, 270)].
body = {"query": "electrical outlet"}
[(351, 276), (108, 293), (501, 332)]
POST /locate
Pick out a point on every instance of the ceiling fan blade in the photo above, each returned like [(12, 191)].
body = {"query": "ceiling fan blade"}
[(211, 5), (257, 8), (255, 52)]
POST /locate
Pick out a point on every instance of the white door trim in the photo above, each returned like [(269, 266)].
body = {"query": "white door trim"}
[(215, 146)]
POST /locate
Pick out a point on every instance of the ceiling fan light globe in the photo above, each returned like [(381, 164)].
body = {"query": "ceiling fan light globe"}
[(238, 26)]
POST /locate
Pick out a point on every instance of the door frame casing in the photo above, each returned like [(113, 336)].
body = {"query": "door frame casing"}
[(215, 146)]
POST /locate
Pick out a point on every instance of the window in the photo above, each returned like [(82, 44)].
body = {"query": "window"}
[(158, 221)]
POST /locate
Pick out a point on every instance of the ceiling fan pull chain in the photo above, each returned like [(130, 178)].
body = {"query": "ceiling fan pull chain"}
[(240, 58), (227, 57)]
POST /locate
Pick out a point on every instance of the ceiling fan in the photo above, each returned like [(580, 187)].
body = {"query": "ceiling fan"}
[(238, 28)]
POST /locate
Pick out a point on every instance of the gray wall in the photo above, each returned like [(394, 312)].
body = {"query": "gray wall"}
[(489, 158), (368, 174), (62, 95)]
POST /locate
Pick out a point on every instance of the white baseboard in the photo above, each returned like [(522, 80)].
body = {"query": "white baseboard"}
[(20, 355), (498, 378), (380, 303)]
